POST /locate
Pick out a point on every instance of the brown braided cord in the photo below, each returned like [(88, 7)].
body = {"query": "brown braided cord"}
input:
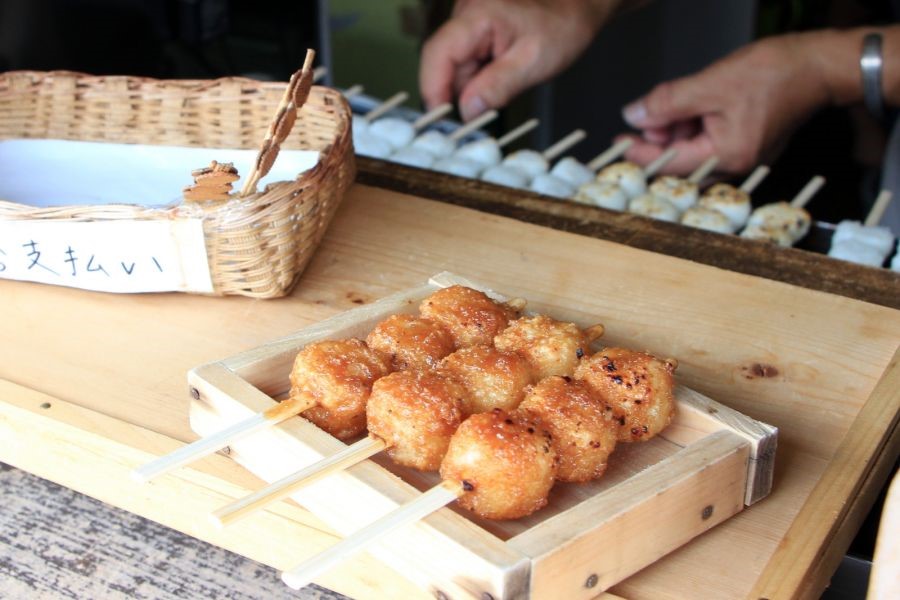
[(257, 245)]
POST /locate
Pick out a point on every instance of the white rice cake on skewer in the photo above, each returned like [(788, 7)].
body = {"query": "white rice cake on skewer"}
[(442, 145), (575, 173), (533, 163), (864, 243), (734, 202), (488, 151), (654, 207), (604, 194), (707, 219), (784, 223)]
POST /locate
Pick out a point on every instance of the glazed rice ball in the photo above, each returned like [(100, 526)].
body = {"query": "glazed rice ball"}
[(415, 413), (530, 162), (494, 378), (366, 144), (572, 171), (603, 194), (435, 143), (773, 235), (338, 376), (794, 221), (639, 388), (469, 315), (485, 152), (627, 175), (654, 207), (584, 431), (707, 219), (680, 192), (550, 185), (410, 342), (505, 464), (396, 132), (413, 157), (551, 347), (732, 202), (503, 175), (459, 166)]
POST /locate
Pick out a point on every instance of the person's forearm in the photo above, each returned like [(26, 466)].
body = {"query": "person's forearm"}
[(836, 55)]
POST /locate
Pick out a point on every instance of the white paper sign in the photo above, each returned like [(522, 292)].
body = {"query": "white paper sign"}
[(107, 256)]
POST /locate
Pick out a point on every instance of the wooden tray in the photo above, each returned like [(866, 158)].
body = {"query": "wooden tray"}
[(706, 466)]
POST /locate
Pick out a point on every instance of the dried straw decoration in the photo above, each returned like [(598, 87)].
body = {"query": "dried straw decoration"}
[(257, 244)]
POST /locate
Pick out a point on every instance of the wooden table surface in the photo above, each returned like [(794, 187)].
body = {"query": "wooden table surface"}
[(92, 385)]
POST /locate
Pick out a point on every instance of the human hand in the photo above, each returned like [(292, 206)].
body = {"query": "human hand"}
[(491, 50), (739, 109)]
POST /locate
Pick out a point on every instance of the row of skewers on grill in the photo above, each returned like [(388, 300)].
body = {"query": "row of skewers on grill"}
[(621, 186), (503, 405)]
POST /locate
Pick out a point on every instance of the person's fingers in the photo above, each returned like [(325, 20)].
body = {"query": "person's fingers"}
[(659, 136), (511, 71), (458, 44), (669, 102), (690, 154)]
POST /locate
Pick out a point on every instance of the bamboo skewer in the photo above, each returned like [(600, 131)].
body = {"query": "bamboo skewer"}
[(511, 136), (476, 123), (294, 97), (609, 155), (881, 204), (215, 442), (564, 144), (437, 497), (651, 169), (432, 115), (353, 90), (704, 169), (809, 190), (755, 178), (351, 455), (389, 104)]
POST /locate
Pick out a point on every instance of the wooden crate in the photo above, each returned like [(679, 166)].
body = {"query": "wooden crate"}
[(705, 467)]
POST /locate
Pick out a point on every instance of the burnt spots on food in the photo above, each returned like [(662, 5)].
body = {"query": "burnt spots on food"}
[(595, 444), (468, 485), (579, 352), (567, 378), (622, 421), (610, 365), (635, 431), (508, 421), (760, 371), (531, 430), (617, 379), (497, 411), (355, 297), (638, 401)]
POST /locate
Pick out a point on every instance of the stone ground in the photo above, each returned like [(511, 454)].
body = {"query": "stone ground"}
[(57, 543)]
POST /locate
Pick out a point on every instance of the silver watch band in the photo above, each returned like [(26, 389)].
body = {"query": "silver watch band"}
[(871, 65)]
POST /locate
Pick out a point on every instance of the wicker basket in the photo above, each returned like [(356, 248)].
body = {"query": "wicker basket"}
[(256, 245)]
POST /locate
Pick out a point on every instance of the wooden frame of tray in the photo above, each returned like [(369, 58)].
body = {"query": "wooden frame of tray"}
[(705, 467)]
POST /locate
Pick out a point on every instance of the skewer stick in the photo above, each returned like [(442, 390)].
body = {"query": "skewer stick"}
[(704, 169), (389, 104), (564, 144), (432, 115), (808, 191), (881, 204), (755, 178), (353, 90), (212, 443), (663, 159), (282, 488), (609, 155), (319, 73), (516, 133), (437, 497), (476, 123)]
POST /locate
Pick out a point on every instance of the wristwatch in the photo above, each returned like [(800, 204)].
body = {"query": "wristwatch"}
[(871, 66)]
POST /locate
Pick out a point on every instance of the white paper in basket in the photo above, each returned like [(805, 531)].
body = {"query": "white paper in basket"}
[(113, 256)]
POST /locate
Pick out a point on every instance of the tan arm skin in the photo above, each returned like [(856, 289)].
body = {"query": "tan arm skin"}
[(489, 51), (743, 106)]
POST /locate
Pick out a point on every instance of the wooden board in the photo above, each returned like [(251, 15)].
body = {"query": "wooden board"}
[(696, 474), (113, 370)]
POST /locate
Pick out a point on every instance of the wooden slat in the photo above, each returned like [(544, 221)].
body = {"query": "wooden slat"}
[(798, 267), (787, 573), (93, 454)]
